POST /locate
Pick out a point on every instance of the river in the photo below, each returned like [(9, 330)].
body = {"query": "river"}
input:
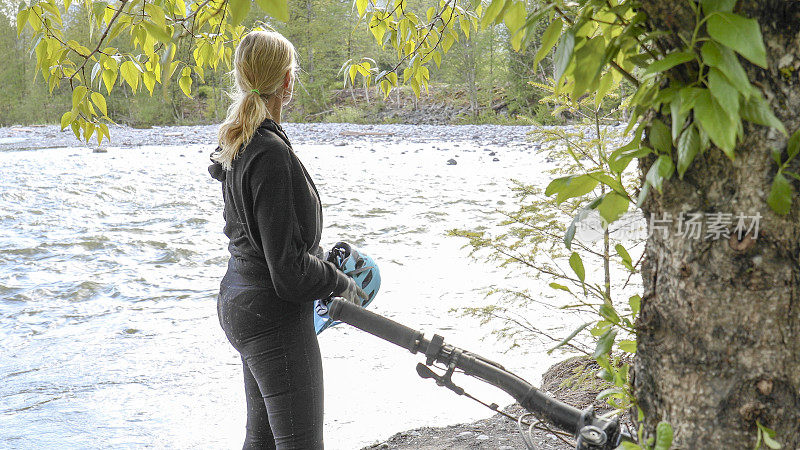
[(110, 262)]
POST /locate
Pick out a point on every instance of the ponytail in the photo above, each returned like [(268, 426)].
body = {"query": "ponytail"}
[(261, 62)]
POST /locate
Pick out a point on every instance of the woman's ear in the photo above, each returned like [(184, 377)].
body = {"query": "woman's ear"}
[(287, 80), (288, 87)]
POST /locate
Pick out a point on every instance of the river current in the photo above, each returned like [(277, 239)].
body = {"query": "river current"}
[(110, 264)]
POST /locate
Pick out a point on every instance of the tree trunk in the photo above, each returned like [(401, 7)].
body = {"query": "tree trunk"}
[(309, 45), (719, 329)]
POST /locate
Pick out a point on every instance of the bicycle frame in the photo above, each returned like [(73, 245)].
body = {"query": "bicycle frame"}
[(590, 431)]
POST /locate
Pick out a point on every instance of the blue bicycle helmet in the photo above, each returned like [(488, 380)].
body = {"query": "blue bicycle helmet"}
[(356, 265)]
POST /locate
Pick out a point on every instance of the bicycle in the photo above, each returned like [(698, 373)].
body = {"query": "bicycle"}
[(591, 432)]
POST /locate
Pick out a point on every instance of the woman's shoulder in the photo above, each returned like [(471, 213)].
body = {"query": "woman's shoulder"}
[(267, 152), (266, 143)]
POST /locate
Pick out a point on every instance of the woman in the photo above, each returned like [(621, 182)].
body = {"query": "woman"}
[(273, 218)]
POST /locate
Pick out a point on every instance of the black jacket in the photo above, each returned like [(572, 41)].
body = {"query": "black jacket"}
[(273, 218)]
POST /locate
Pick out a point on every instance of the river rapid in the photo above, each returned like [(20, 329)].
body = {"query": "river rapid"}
[(110, 262)]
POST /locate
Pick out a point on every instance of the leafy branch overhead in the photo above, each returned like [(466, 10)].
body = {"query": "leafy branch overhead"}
[(154, 30), (702, 87)]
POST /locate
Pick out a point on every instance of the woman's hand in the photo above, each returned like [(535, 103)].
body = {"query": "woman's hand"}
[(353, 294)]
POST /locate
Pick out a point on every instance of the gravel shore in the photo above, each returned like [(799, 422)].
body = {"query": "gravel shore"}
[(50, 136)]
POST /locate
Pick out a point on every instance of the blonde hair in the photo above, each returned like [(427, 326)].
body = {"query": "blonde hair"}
[(260, 64)]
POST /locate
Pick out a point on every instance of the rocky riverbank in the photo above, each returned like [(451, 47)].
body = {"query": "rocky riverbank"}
[(570, 381), (339, 134)]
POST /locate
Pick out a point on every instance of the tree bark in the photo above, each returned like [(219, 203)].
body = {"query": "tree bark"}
[(719, 329)]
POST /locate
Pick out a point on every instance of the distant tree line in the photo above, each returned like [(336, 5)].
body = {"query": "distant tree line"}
[(484, 73)]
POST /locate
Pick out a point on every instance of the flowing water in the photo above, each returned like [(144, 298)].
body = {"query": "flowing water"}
[(110, 263)]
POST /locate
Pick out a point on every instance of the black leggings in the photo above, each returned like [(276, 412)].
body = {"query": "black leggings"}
[(282, 365)]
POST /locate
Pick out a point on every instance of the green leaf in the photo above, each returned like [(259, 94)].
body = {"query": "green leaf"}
[(601, 328), (591, 60), (560, 287), (780, 195), (688, 98), (22, 19), (98, 8), (613, 206), (514, 16), (149, 80), (66, 119), (77, 95), (630, 446), (569, 338), (661, 170), (670, 61), (361, 6), (76, 129), (606, 83), (563, 54), (715, 122), (663, 436), (238, 10), (793, 148), (677, 117), (688, 147), (710, 6), (185, 83), (740, 34), (776, 156), (549, 39), (516, 41), (609, 181), (576, 264), (570, 187), (723, 92), (757, 110), (610, 392), (771, 443), (581, 215), (627, 346), (621, 157), (608, 313), (130, 73), (726, 61), (109, 78), (792, 174), (659, 136), (626, 257), (768, 435), (492, 11), (605, 343), (158, 33), (278, 9), (635, 303), (100, 101)]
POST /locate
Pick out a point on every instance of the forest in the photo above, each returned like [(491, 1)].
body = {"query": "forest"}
[(485, 80)]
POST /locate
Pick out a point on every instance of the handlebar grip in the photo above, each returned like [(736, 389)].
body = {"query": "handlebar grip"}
[(375, 324)]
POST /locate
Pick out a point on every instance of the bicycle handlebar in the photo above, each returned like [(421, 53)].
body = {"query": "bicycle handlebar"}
[(375, 324), (562, 415)]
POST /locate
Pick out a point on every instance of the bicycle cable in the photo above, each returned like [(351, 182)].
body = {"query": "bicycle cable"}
[(527, 436)]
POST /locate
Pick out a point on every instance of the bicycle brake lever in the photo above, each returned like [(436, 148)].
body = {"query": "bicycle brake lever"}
[(441, 380), (425, 372)]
